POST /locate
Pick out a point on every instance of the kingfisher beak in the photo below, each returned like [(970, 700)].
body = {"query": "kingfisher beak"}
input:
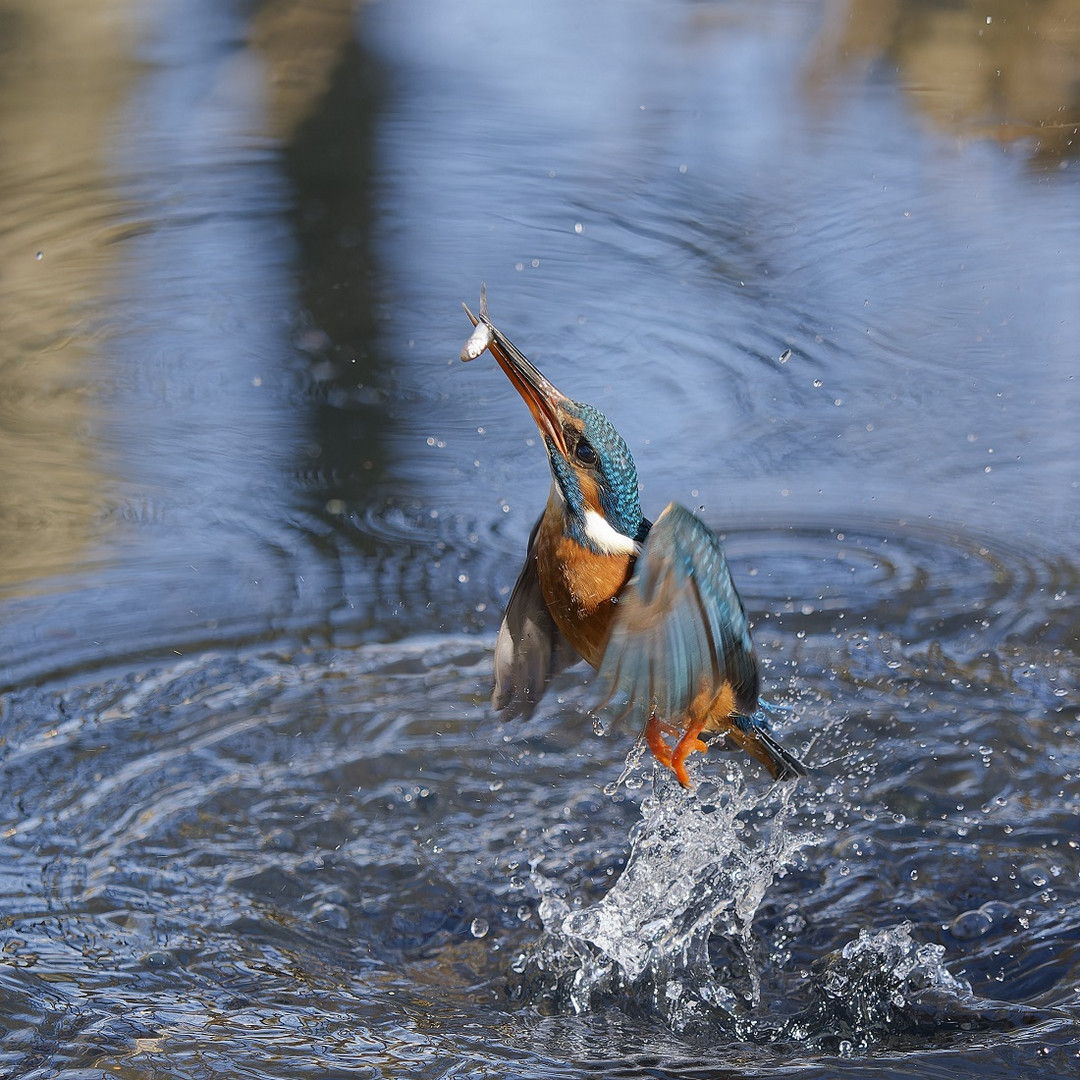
[(544, 400)]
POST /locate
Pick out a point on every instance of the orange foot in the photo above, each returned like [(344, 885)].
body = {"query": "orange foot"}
[(656, 729)]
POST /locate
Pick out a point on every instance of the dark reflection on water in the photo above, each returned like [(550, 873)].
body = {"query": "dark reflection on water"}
[(331, 162), (258, 524)]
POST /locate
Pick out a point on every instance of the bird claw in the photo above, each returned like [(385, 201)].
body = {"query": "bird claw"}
[(675, 760), (655, 730)]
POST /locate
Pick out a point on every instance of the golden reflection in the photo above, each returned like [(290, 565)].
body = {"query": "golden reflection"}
[(63, 68), (66, 71), (1001, 69), (301, 44)]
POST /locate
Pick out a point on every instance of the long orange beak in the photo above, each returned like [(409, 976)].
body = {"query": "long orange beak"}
[(543, 399)]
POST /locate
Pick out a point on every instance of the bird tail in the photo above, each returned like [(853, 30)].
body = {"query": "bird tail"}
[(750, 734)]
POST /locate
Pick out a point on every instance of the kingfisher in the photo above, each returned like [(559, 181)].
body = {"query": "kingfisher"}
[(650, 605)]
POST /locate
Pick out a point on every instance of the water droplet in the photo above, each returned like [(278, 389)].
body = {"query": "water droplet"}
[(1036, 875), (969, 925), (578, 227), (818, 383), (479, 927), (39, 256), (785, 356)]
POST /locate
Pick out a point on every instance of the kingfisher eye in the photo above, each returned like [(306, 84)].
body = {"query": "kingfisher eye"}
[(585, 453)]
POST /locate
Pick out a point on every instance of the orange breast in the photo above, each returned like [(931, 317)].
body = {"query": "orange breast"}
[(579, 587)]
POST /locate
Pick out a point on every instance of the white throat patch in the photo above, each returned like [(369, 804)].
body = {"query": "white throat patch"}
[(608, 540)]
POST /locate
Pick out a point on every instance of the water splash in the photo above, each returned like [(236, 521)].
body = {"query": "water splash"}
[(882, 984), (674, 932), (674, 937)]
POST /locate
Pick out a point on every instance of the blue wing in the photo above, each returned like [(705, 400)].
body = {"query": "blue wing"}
[(530, 648), (681, 625)]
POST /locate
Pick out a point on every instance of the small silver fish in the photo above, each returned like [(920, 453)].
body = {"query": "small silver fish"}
[(478, 341), (481, 337)]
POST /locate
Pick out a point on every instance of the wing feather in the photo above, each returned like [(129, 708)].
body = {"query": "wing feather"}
[(681, 626), (530, 648)]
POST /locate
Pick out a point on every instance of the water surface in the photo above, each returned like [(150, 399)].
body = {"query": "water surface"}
[(818, 262)]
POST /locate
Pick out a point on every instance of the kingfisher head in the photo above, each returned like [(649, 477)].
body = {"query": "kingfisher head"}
[(592, 471)]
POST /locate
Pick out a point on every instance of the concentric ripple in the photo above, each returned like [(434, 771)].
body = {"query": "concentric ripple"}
[(281, 835)]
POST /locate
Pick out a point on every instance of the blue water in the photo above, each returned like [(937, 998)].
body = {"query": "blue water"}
[(819, 263)]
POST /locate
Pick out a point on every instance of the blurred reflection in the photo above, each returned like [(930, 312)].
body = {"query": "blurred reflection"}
[(63, 69), (1001, 69), (331, 161), (301, 45), (163, 160), (324, 100)]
